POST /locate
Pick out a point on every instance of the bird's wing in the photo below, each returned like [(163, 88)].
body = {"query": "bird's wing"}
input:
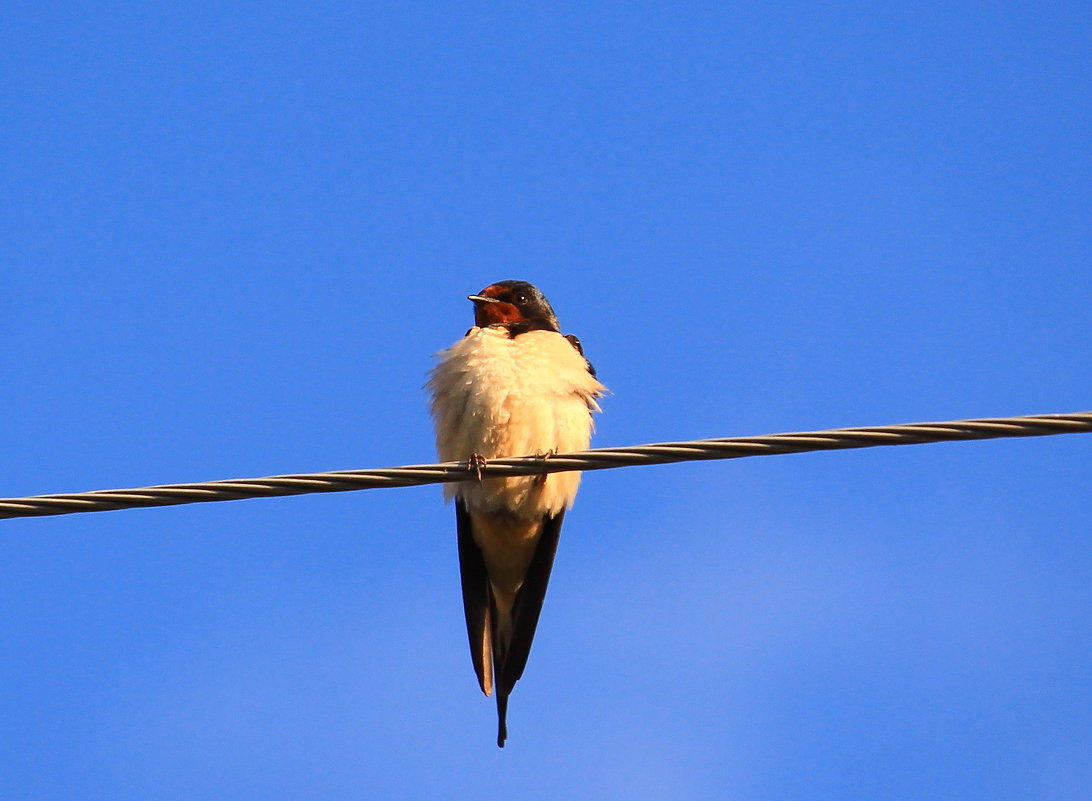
[(575, 342), (476, 600), (528, 605)]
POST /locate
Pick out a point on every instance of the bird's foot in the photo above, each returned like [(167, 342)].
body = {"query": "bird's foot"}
[(476, 462), (540, 479)]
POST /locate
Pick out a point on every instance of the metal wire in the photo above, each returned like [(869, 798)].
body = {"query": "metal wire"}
[(596, 459)]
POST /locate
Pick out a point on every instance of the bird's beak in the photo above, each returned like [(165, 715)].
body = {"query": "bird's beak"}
[(482, 299)]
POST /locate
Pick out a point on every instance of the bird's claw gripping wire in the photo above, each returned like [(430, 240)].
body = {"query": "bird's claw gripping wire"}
[(540, 479), (476, 462)]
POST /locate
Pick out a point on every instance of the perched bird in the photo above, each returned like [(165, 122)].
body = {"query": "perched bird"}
[(513, 386)]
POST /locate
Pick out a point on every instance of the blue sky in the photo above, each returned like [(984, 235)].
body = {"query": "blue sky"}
[(234, 234)]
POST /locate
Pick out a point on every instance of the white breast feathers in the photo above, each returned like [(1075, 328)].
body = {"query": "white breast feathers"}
[(496, 396)]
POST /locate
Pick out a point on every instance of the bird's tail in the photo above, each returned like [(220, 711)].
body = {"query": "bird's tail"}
[(514, 629), (502, 717)]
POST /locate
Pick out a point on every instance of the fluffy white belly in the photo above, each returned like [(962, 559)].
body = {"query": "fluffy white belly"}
[(498, 396)]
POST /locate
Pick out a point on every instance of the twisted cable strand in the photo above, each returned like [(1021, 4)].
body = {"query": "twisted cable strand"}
[(595, 459)]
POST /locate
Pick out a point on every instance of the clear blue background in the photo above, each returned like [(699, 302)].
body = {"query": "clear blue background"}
[(233, 235)]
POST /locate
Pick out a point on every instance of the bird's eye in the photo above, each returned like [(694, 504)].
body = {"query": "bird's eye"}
[(521, 298)]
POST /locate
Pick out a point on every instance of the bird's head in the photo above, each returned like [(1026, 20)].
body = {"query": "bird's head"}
[(513, 302)]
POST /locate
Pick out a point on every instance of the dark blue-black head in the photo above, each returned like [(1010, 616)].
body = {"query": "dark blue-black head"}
[(514, 302)]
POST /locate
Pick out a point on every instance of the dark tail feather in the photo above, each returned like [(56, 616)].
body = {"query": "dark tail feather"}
[(510, 653), (502, 717)]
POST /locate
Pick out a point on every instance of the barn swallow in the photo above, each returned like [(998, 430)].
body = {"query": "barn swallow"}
[(513, 386)]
